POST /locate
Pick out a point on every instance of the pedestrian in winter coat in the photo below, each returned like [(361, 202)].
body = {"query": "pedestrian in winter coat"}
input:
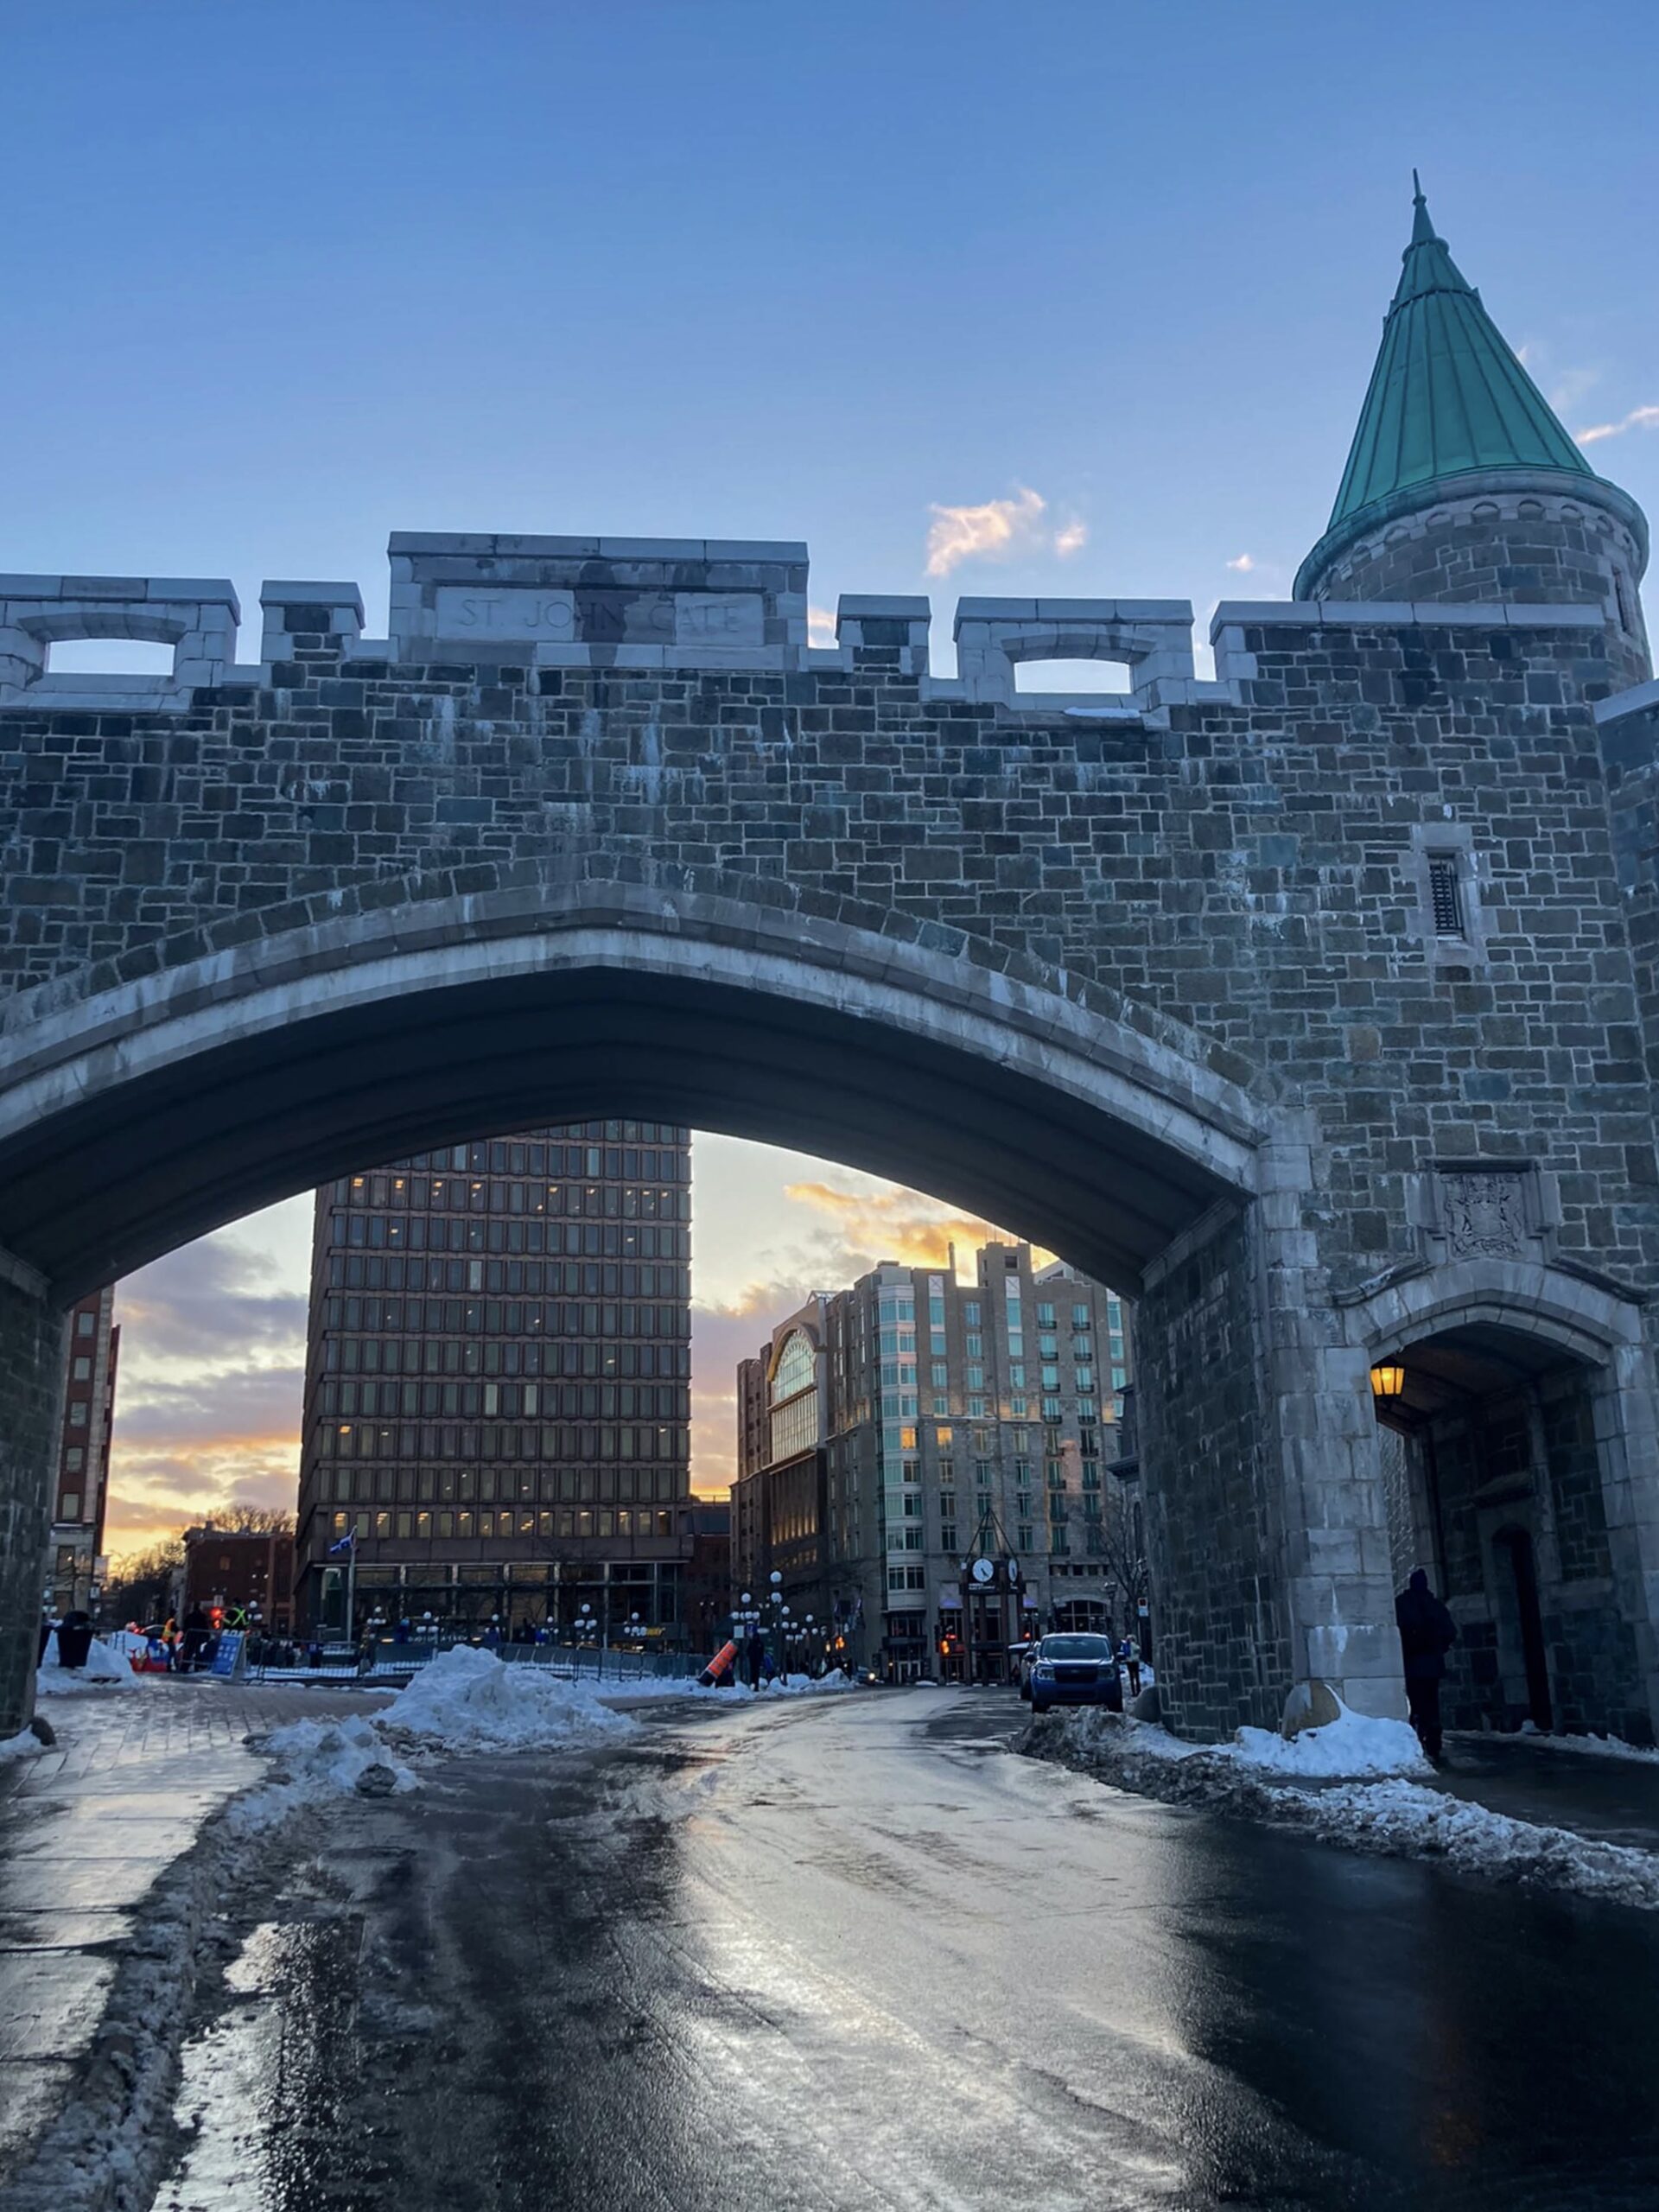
[(1428, 1633), (197, 1630), (1128, 1654)]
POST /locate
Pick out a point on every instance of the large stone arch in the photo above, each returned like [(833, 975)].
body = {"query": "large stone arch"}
[(141, 1109), (150, 1108)]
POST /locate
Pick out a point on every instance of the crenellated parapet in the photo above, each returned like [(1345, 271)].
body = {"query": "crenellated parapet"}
[(197, 616)]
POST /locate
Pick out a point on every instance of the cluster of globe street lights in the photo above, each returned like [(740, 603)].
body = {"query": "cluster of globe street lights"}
[(789, 1633)]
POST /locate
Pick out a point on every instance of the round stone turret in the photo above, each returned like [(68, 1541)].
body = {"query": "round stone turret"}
[(1461, 484)]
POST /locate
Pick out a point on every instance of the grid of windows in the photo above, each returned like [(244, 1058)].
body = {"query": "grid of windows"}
[(499, 1369), (953, 1433)]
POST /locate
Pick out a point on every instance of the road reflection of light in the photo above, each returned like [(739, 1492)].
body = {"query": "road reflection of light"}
[(861, 1949)]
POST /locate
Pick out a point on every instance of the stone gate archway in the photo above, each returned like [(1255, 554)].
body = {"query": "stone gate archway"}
[(1211, 988), (155, 1109), (1519, 1436)]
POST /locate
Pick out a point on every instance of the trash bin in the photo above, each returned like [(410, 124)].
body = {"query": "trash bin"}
[(75, 1638)]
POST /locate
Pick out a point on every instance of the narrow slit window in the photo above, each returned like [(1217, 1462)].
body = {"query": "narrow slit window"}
[(1446, 894)]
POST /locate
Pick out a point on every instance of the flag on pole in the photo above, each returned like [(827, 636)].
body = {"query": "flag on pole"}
[(346, 1543)]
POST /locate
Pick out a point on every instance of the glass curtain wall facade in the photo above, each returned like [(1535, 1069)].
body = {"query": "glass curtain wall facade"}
[(498, 1383)]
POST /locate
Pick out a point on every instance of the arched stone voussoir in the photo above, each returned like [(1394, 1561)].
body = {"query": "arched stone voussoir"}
[(556, 917), (271, 1064), (1584, 1319)]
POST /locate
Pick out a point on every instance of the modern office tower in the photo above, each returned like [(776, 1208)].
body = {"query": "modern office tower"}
[(497, 1405), (891, 1434), (76, 1561)]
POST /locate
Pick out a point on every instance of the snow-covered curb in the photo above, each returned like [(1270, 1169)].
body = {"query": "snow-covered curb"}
[(1404, 1820), (1396, 1817), (1598, 1747), (1344, 1748)]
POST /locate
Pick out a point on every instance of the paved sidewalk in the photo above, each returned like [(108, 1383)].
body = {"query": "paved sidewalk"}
[(1614, 1799), (85, 1828)]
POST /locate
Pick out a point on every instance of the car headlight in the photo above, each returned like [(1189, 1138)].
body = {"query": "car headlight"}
[(1044, 1674)]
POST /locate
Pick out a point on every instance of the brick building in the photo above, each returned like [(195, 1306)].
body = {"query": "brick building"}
[(243, 1572), (497, 1402), (76, 1562), (890, 1432)]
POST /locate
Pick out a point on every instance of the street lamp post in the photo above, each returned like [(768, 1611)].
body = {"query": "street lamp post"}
[(746, 1616)]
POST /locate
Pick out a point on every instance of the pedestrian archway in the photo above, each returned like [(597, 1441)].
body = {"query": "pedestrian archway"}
[(1506, 1453)]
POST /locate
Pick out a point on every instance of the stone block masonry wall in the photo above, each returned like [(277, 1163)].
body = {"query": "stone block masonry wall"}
[(1215, 1532), (1232, 870), (1578, 1516), (1524, 543), (32, 1351), (1244, 872)]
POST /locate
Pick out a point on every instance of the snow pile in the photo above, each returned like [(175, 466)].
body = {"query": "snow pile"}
[(1601, 1747), (22, 1745), (469, 1700), (1396, 1818), (316, 1760), (1352, 1744), (1349, 1746), (1404, 1820), (104, 1670)]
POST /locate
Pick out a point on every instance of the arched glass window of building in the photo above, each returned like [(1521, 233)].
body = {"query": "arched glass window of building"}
[(794, 1398)]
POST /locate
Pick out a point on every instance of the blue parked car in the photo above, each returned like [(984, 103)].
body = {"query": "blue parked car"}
[(1075, 1669)]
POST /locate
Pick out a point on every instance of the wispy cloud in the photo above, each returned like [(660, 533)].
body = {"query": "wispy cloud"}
[(1571, 386), (1244, 564), (997, 529), (209, 1397), (1639, 418), (821, 626), (893, 1224), (990, 531), (837, 1231)]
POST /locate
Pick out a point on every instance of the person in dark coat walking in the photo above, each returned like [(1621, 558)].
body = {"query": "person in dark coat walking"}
[(1428, 1633), (197, 1630)]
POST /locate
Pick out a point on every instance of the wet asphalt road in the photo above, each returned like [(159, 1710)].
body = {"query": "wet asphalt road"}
[(851, 1954)]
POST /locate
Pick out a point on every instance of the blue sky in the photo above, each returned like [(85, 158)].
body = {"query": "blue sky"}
[(291, 277), (1102, 283)]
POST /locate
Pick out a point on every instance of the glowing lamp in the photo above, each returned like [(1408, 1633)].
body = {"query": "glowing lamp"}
[(1387, 1381)]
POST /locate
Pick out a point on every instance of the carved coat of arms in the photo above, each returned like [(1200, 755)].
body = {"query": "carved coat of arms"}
[(1485, 1214)]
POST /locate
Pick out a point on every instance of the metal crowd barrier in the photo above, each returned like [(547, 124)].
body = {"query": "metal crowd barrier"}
[(385, 1661)]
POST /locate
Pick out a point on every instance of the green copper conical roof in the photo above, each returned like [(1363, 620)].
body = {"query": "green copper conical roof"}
[(1446, 395)]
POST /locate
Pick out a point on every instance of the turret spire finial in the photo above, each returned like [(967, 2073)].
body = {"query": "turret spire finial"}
[(1422, 230)]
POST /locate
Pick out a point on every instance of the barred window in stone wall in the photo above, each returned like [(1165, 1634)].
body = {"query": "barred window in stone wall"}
[(1445, 893)]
